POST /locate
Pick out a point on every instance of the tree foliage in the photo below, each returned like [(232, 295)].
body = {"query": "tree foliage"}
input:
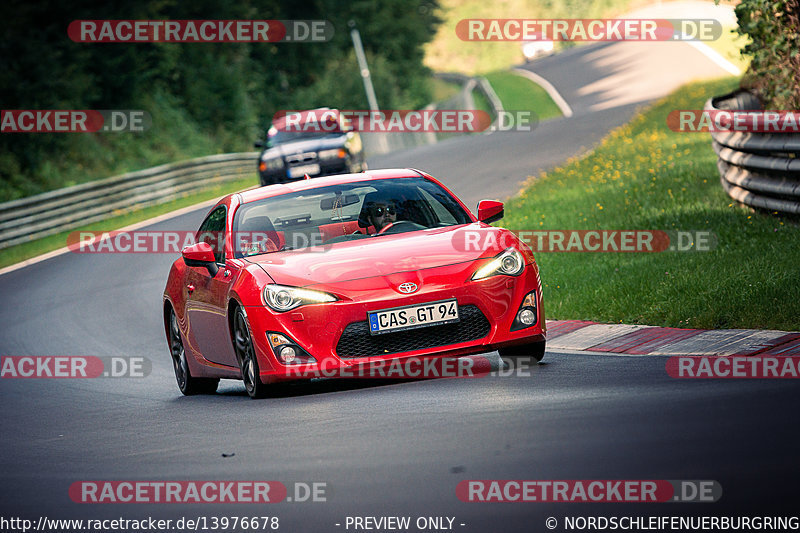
[(773, 27), (223, 91)]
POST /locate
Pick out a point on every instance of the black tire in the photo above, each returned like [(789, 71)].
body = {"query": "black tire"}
[(188, 384), (246, 354), (534, 350)]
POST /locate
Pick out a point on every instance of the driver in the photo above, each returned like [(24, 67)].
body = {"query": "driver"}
[(381, 214)]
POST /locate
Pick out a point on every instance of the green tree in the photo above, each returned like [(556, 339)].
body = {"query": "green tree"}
[(202, 96), (773, 27)]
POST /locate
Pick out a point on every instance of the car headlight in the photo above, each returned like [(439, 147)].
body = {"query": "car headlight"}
[(333, 154), (508, 263), (282, 298), (271, 164)]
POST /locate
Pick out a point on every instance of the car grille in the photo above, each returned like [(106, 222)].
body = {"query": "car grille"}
[(306, 157), (356, 341)]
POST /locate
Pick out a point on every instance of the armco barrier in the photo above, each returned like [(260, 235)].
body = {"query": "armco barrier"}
[(52, 212), (380, 143), (64, 209), (761, 170)]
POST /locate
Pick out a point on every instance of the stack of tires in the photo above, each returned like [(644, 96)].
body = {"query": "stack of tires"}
[(761, 170)]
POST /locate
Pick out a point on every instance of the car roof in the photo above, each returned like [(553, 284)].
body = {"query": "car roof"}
[(313, 183)]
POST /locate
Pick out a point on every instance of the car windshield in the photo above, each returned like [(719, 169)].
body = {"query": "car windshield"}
[(338, 213), (276, 137)]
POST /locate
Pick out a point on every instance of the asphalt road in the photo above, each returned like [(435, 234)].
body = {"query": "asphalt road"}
[(493, 166), (382, 448), (402, 447), (604, 85)]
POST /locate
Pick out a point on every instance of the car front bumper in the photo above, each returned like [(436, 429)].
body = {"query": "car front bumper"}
[(288, 173), (337, 335)]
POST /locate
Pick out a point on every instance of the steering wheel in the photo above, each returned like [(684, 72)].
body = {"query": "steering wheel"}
[(400, 224)]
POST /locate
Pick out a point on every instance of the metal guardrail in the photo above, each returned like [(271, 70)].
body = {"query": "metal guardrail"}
[(494, 101), (52, 212), (64, 209), (465, 99), (381, 143), (761, 170)]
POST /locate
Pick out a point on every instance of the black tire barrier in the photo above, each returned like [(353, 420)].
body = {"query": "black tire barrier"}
[(761, 170)]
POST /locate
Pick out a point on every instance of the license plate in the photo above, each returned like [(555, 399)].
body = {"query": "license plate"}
[(298, 172), (413, 316)]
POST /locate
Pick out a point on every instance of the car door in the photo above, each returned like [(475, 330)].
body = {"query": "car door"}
[(207, 296)]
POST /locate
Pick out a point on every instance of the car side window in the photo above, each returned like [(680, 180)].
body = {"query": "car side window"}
[(212, 231)]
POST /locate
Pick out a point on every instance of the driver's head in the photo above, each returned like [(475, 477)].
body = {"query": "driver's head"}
[(381, 214)]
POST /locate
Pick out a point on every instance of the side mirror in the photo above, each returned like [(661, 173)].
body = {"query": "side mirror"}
[(490, 211), (258, 144), (200, 255)]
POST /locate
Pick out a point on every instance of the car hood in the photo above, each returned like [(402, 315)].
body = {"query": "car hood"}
[(384, 255), (306, 145)]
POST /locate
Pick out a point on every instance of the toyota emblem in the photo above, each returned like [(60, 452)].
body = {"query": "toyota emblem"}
[(407, 288)]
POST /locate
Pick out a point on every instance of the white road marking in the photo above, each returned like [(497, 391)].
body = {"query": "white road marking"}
[(724, 14), (137, 225), (715, 56)]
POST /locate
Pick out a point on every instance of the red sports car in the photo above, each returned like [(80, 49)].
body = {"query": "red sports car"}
[(342, 272)]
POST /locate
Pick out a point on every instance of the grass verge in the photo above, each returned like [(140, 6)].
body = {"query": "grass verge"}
[(645, 176), (521, 94), (21, 252)]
